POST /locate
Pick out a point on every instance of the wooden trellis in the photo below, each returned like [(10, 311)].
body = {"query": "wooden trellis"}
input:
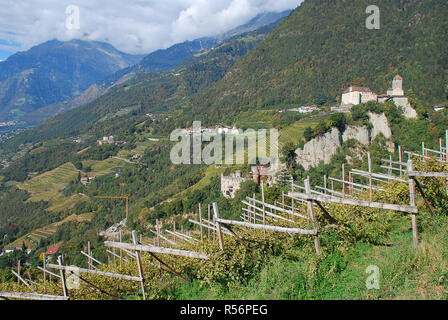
[(318, 198), (252, 217), (256, 215)]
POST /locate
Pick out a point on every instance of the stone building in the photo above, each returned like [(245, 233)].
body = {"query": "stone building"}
[(354, 95), (397, 87), (231, 184)]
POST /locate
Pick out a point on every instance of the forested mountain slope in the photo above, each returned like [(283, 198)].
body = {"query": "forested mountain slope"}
[(324, 46), (169, 58)]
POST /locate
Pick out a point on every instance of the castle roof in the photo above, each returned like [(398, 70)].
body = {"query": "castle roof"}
[(357, 89), (398, 77)]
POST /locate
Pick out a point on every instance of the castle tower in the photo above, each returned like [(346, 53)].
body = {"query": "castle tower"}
[(397, 83), (397, 87)]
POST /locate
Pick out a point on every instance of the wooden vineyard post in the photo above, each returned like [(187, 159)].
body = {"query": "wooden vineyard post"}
[(283, 200), (446, 145), (255, 211), (174, 231), (264, 208), (400, 160), (18, 271), (390, 168), (325, 184), (218, 226), (158, 236), (440, 150), (446, 156), (292, 199), (208, 221), (139, 263), (350, 187), (412, 202), (121, 251), (45, 274), (310, 210), (64, 287), (89, 261), (200, 221), (343, 181)]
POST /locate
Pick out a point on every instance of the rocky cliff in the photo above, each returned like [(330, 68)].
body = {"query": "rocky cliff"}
[(323, 148), (319, 149)]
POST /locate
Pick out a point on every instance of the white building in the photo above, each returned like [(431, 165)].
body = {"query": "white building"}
[(106, 140), (355, 95)]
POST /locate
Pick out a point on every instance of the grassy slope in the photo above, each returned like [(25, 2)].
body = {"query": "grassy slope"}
[(404, 273)]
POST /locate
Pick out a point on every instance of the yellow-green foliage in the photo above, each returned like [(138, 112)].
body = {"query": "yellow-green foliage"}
[(237, 266), (434, 188)]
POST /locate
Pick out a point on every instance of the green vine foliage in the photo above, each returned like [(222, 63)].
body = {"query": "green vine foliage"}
[(237, 266)]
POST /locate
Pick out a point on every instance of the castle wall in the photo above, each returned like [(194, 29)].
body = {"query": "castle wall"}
[(368, 96), (352, 98)]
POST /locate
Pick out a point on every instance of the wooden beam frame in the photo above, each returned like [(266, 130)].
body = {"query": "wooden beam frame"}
[(30, 296), (362, 203), (270, 206), (267, 227), (96, 272), (428, 174), (154, 249)]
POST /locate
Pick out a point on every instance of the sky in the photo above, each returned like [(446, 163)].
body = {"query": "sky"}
[(133, 26)]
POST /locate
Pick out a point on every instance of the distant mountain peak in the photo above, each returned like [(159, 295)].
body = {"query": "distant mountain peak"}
[(53, 72)]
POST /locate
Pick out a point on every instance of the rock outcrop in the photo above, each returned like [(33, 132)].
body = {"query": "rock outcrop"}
[(323, 148), (319, 149), (361, 134), (406, 108), (380, 125)]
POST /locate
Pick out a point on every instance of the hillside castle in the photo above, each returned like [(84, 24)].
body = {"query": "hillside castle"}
[(355, 95)]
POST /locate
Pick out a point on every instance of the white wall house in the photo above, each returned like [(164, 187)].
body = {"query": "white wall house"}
[(355, 95)]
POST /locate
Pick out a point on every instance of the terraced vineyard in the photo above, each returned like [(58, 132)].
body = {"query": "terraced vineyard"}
[(47, 186)]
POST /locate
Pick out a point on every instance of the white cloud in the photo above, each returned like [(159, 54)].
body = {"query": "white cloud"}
[(135, 26)]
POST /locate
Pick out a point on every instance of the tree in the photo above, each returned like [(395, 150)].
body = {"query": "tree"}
[(308, 133), (78, 164), (289, 153), (339, 121), (320, 129), (359, 113)]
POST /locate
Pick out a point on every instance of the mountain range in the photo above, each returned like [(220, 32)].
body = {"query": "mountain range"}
[(56, 76), (54, 72), (310, 57)]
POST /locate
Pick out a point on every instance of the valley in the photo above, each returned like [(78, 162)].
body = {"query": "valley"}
[(352, 106)]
